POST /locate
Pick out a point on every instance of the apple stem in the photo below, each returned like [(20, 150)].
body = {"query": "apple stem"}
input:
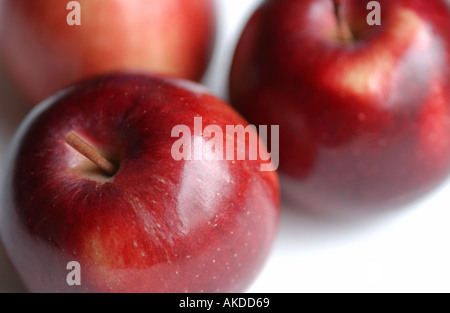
[(91, 153), (344, 30)]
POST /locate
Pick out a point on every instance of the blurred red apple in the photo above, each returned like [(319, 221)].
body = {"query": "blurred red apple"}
[(148, 223), (44, 53), (364, 111)]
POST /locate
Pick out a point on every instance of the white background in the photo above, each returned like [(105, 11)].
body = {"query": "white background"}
[(405, 250)]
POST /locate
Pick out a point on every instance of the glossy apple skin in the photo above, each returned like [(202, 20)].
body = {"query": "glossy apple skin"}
[(158, 225), (43, 53), (363, 124)]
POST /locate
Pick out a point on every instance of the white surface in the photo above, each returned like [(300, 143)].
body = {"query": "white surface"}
[(401, 251)]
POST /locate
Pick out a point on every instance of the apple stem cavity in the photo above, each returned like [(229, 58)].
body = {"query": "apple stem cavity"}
[(344, 33), (90, 153)]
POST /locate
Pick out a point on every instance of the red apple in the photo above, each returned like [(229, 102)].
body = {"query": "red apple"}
[(152, 224), (44, 53), (364, 111)]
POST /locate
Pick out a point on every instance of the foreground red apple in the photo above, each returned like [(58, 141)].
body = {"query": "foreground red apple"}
[(147, 223), (364, 111), (44, 53)]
